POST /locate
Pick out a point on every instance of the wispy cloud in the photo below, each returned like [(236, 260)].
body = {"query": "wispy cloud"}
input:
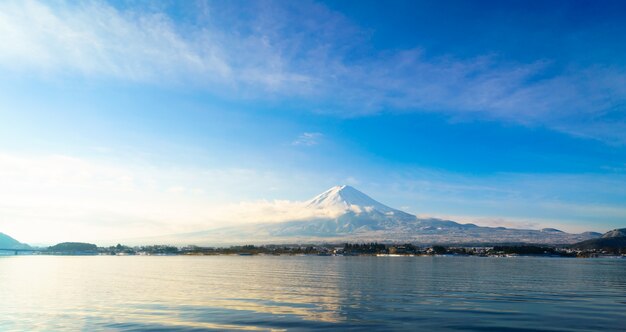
[(573, 202), (270, 49), (44, 196), (97, 40), (308, 139)]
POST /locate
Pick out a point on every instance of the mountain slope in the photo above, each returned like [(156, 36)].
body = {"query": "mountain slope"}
[(620, 232), (614, 239), (355, 213), (7, 242), (345, 197), (346, 214)]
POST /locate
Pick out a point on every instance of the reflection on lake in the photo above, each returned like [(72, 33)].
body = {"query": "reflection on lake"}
[(179, 293)]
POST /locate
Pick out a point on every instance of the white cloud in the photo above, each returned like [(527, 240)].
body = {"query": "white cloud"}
[(308, 139), (301, 51), (54, 198), (97, 40), (264, 211), (571, 202)]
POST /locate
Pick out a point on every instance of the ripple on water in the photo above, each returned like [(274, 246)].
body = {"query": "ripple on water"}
[(301, 293)]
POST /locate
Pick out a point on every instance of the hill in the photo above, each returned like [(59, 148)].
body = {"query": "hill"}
[(73, 247), (611, 240), (620, 232), (7, 242)]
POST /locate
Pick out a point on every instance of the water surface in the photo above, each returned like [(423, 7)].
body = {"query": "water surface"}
[(178, 293)]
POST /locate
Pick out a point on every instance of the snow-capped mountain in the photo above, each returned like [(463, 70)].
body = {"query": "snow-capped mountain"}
[(346, 198), (343, 213), (352, 211)]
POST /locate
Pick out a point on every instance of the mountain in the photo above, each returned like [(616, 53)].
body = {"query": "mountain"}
[(592, 234), (345, 197), (620, 232), (610, 240), (343, 213), (551, 230), (7, 242), (355, 213)]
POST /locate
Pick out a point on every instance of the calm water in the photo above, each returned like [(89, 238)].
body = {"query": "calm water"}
[(303, 293)]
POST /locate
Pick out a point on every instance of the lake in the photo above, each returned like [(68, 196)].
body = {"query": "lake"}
[(181, 293)]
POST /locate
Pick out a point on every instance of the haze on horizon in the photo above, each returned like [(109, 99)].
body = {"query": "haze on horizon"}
[(130, 119)]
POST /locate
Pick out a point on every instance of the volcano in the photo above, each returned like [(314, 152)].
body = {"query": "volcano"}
[(345, 214)]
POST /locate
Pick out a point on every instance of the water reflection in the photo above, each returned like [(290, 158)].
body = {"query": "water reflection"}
[(282, 293)]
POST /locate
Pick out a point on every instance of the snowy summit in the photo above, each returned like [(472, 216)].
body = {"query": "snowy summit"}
[(343, 214), (347, 198)]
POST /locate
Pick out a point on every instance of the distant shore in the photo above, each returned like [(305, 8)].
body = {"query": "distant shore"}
[(346, 249)]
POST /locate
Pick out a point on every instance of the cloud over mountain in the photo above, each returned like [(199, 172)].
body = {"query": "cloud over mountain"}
[(342, 213)]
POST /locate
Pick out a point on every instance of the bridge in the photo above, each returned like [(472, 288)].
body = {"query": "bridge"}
[(17, 251)]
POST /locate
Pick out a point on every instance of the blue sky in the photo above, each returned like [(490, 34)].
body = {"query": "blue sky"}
[(141, 118)]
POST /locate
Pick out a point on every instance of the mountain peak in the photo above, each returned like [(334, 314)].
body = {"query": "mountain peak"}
[(344, 197), (619, 232)]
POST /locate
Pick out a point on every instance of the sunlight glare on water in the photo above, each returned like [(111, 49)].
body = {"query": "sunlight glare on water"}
[(291, 292)]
